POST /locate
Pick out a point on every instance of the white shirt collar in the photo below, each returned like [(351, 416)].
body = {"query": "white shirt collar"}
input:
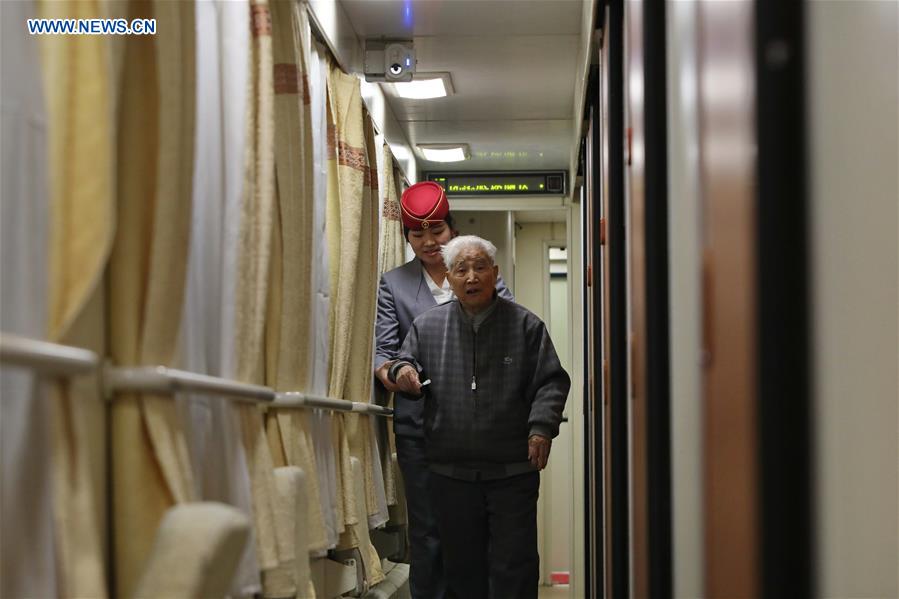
[(441, 294)]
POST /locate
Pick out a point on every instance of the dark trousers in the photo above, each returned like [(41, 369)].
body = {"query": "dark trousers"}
[(488, 530), (426, 579)]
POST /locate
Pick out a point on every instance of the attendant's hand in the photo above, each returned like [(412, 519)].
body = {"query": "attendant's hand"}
[(381, 373), (538, 450), (407, 380)]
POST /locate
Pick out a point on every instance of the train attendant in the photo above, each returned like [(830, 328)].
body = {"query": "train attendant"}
[(404, 293), (491, 410)]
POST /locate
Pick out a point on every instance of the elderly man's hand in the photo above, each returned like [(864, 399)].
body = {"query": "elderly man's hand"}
[(407, 380), (538, 450)]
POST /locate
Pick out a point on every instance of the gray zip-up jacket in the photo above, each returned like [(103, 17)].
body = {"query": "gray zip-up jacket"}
[(491, 389), (402, 295)]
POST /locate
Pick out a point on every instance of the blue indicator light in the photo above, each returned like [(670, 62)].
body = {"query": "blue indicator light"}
[(407, 14)]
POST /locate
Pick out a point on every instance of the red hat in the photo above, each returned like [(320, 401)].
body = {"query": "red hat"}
[(424, 205)]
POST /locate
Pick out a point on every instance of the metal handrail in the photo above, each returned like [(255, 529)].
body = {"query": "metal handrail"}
[(46, 357), (65, 360), (295, 399), (164, 380)]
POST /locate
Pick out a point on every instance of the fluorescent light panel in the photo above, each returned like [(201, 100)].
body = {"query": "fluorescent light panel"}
[(425, 86), (444, 152)]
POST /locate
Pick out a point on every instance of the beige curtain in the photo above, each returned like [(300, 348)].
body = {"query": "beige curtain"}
[(352, 226), (288, 325), (253, 263), (393, 245), (151, 467), (77, 87), (392, 254)]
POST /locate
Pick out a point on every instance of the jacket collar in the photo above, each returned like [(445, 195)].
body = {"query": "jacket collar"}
[(491, 309), (414, 272)]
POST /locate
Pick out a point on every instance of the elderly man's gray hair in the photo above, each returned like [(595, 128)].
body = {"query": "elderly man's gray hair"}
[(452, 249)]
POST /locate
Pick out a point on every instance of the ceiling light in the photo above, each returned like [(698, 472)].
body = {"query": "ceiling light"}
[(400, 152), (425, 86), (444, 152)]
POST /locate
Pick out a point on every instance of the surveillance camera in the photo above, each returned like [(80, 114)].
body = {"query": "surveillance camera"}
[(392, 61), (399, 60)]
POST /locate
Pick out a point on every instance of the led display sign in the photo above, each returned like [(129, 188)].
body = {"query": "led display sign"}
[(501, 184)]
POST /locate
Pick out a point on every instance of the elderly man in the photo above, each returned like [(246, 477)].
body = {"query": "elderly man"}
[(404, 293), (492, 407)]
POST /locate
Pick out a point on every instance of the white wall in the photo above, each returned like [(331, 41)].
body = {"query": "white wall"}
[(575, 407), (852, 48), (685, 260), (584, 58), (555, 505), (558, 476), (529, 263), (493, 226)]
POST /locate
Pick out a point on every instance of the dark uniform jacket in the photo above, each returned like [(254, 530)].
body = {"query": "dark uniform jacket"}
[(403, 294), (491, 389)]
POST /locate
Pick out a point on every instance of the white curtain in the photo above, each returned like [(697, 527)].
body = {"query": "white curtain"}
[(320, 343), (207, 333), (27, 564), (381, 516)]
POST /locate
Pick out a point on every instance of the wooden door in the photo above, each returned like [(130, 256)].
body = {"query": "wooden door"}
[(726, 72)]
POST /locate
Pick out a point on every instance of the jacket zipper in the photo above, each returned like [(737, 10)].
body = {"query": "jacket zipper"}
[(474, 389), (474, 364)]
